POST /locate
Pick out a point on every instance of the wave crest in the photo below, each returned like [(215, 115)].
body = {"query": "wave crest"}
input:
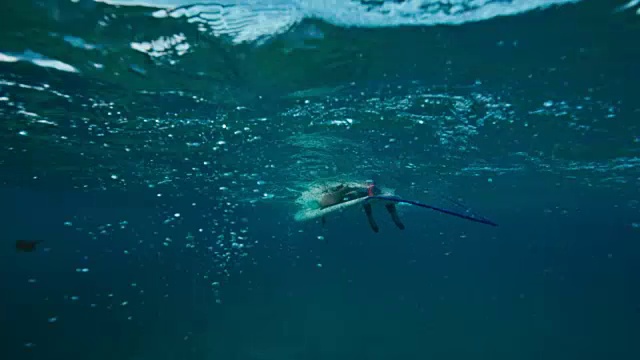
[(253, 20)]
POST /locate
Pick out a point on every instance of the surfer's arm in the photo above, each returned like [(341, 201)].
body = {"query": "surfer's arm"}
[(355, 193)]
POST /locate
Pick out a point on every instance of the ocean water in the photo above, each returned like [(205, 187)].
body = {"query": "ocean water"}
[(158, 150)]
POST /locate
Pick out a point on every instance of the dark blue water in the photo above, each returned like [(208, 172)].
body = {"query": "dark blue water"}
[(160, 159)]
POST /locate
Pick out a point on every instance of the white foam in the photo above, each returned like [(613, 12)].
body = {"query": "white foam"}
[(421, 12), (628, 5), (160, 46), (8, 58), (251, 20), (54, 64), (38, 60)]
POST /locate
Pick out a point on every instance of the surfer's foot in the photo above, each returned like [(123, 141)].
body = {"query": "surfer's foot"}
[(372, 222), (391, 208)]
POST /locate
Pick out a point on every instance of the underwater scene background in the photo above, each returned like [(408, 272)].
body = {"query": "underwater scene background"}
[(152, 155)]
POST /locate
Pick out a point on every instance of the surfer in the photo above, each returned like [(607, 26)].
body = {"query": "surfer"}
[(318, 202), (342, 193)]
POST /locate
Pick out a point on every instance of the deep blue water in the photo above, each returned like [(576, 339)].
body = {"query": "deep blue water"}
[(159, 158)]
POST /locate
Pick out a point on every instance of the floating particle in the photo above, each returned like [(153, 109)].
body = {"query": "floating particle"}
[(27, 245), (319, 265), (29, 345), (114, 177), (75, 298), (32, 281), (635, 225), (320, 237), (124, 303), (23, 133), (260, 182), (52, 319), (176, 215), (68, 223), (548, 103), (490, 180)]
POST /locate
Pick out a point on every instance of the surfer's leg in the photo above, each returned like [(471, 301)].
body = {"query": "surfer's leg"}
[(391, 208), (372, 222)]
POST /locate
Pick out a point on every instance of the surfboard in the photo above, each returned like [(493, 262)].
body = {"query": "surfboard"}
[(311, 214)]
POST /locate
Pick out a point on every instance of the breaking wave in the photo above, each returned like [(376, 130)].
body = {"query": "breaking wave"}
[(250, 21)]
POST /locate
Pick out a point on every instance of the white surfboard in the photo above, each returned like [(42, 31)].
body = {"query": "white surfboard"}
[(311, 214)]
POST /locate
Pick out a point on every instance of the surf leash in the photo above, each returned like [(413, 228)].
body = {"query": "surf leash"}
[(431, 207)]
